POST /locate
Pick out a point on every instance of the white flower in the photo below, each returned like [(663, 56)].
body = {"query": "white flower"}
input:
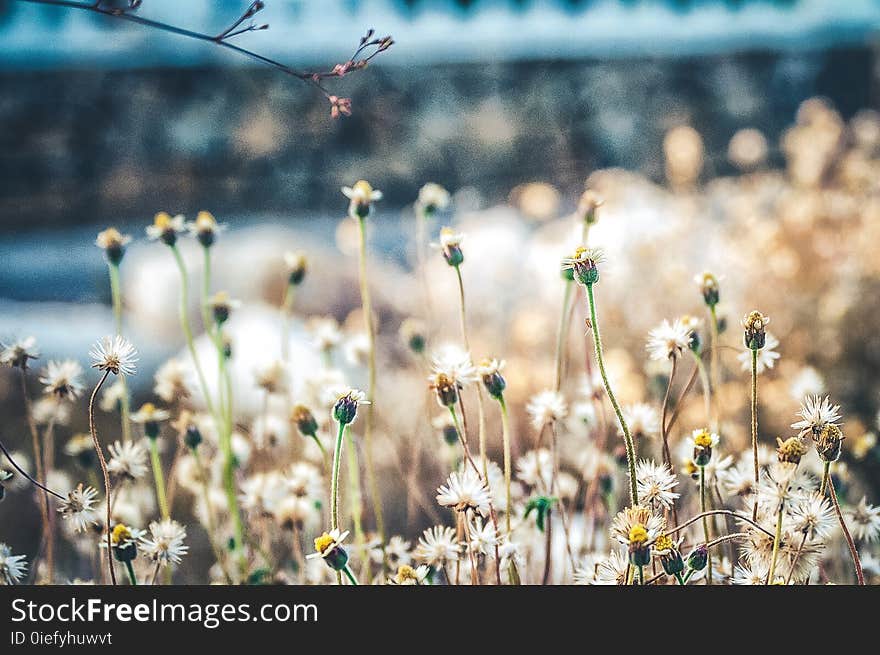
[(165, 544), (357, 349), (655, 483), (114, 354), (63, 379), (808, 382), (585, 571), (632, 517), (325, 332), (643, 420), (463, 492), (272, 377), (454, 363), (668, 339), (18, 353), (740, 479), (327, 543), (149, 413), (546, 407), (165, 225), (766, 356), (127, 460), (437, 546), (172, 381), (396, 552), (483, 537), (613, 569), (816, 413), (865, 521), (432, 197), (13, 568), (510, 554), (449, 238), (535, 468), (409, 576), (79, 508), (813, 516), (753, 574), (362, 193)]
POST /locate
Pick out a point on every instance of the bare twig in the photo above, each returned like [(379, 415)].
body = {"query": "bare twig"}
[(368, 48)]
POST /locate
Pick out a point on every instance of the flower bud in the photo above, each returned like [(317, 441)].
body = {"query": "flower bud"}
[(708, 284), (490, 372), (113, 244), (791, 450), (304, 420), (698, 558), (754, 325), (445, 388), (345, 409), (192, 437)]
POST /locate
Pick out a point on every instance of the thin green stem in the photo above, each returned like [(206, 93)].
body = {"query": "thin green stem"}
[(350, 575), (562, 333), (354, 492), (776, 539), (716, 364), (705, 520), (286, 308), (600, 362), (132, 578), (207, 323), (754, 406), (505, 437), (158, 478), (481, 416), (371, 389), (187, 330), (124, 401), (224, 424), (334, 479)]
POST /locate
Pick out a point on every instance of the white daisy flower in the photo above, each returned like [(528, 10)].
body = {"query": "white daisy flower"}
[(114, 354), (535, 468), (327, 543), (165, 543), (166, 227), (655, 483), (668, 340), (864, 521), (643, 420), (767, 356), (127, 460), (172, 381), (437, 546), (812, 515), (63, 379), (455, 363), (79, 507), (483, 537), (547, 407), (13, 568), (816, 413), (362, 195), (17, 353), (634, 517), (463, 492), (407, 575)]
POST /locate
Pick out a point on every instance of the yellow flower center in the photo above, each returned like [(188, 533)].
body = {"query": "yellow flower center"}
[(406, 572), (689, 467), (147, 409), (110, 237), (703, 439), (162, 220), (363, 188), (324, 542), (638, 534), (120, 533), (663, 542), (205, 222), (580, 252)]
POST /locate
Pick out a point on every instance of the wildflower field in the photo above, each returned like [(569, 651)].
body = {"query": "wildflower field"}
[(642, 383)]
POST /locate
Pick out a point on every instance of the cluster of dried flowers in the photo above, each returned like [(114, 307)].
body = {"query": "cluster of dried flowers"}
[(573, 482)]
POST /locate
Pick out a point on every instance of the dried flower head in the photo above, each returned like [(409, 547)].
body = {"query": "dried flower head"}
[(113, 244), (128, 461), (114, 354), (643, 420), (865, 521), (437, 546), (754, 326), (816, 413), (791, 450), (829, 442), (13, 568), (655, 484), (171, 381), (545, 407)]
